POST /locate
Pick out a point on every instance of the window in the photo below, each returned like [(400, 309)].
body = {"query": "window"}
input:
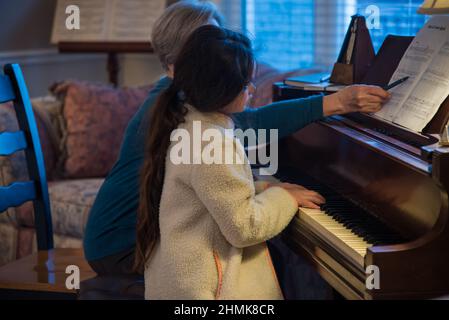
[(282, 31), (396, 17), (293, 34)]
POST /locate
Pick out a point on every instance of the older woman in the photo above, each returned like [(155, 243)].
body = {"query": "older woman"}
[(110, 236)]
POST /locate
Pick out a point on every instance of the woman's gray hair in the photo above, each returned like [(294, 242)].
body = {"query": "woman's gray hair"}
[(176, 24)]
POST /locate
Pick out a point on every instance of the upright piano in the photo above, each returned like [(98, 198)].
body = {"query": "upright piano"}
[(386, 191)]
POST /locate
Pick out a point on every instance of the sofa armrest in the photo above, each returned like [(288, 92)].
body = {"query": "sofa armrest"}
[(50, 122), (13, 168)]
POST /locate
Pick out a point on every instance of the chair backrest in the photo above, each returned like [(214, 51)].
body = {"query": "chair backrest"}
[(13, 88)]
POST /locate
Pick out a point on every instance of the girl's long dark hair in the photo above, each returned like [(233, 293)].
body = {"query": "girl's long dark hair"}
[(212, 69)]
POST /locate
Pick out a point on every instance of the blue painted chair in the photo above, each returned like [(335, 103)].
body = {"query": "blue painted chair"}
[(42, 274)]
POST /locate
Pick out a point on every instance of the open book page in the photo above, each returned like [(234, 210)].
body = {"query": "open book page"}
[(93, 21), (108, 20), (132, 20), (425, 47), (428, 94)]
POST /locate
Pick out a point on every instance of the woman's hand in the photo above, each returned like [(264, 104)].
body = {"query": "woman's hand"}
[(304, 197), (355, 98)]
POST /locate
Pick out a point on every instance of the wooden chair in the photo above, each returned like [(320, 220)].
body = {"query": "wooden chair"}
[(43, 274)]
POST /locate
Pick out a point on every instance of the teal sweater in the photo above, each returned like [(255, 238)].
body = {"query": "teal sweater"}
[(111, 227)]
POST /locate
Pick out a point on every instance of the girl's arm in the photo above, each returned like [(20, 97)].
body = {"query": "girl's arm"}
[(287, 116), (228, 192)]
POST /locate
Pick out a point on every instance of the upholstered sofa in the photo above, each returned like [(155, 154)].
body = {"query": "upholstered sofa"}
[(80, 126)]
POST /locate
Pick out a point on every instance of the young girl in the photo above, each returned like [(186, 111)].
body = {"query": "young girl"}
[(201, 228)]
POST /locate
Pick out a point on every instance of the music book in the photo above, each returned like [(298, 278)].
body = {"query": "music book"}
[(426, 62), (108, 20), (313, 82), (308, 78), (321, 86)]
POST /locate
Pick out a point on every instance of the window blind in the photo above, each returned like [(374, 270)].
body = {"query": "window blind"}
[(292, 34)]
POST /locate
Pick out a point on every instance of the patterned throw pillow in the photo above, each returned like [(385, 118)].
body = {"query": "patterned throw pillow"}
[(96, 116)]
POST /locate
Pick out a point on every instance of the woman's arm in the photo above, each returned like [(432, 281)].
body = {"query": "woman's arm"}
[(287, 116), (291, 115)]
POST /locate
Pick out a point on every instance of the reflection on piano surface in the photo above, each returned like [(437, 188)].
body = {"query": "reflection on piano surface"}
[(387, 205)]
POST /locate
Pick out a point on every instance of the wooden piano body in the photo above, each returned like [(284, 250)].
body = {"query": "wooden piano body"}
[(399, 177)]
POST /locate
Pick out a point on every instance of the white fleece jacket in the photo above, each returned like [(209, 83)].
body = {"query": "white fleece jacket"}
[(213, 227)]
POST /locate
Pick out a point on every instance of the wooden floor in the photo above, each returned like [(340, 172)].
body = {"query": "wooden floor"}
[(43, 273)]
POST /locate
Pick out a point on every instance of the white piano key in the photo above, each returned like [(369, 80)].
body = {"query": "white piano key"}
[(340, 237)]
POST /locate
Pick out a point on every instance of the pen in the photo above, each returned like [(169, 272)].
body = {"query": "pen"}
[(326, 78), (394, 84)]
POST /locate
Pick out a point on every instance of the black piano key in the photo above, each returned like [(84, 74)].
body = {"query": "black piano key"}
[(357, 220)]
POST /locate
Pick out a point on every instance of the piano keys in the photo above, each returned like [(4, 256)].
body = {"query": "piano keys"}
[(348, 227)]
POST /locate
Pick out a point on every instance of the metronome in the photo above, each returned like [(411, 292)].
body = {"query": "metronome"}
[(356, 54)]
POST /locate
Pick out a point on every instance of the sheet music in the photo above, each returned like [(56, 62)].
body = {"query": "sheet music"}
[(415, 102), (427, 96), (136, 24), (108, 20), (93, 23)]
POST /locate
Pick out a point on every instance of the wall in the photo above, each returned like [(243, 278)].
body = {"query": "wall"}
[(42, 67), (25, 24)]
